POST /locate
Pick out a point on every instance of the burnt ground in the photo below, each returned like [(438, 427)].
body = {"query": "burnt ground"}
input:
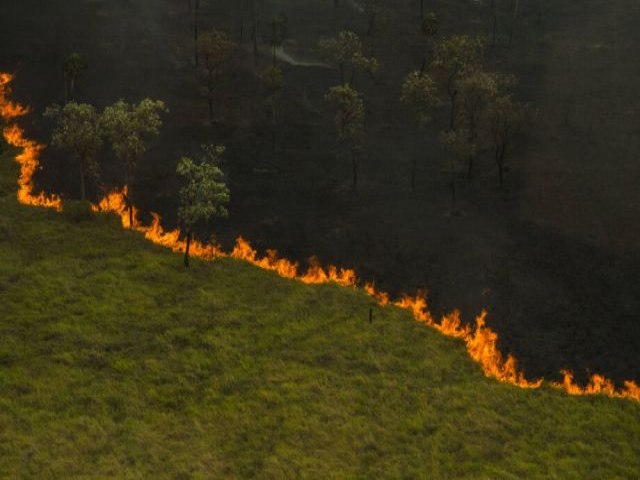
[(554, 257)]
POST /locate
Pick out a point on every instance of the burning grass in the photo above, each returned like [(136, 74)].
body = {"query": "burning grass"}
[(481, 341), (116, 362)]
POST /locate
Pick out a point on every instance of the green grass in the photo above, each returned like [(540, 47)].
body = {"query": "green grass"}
[(116, 362)]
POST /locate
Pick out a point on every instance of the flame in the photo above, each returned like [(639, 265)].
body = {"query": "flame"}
[(598, 385), (381, 297), (481, 341), (29, 158)]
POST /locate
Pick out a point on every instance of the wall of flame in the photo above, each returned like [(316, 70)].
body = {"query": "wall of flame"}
[(480, 340)]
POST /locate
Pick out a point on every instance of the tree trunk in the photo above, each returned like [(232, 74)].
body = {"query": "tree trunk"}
[(470, 168), (354, 167), (500, 163), (210, 99), (372, 24), (256, 30), (413, 175), (83, 191), (452, 113), (186, 250), (127, 183), (72, 84), (273, 125), (495, 26), (66, 89), (453, 184), (195, 31)]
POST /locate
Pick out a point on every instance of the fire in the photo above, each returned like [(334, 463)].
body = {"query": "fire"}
[(29, 158), (598, 385), (481, 341)]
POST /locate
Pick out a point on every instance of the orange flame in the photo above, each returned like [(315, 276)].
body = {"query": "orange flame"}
[(29, 158), (598, 385), (481, 341)]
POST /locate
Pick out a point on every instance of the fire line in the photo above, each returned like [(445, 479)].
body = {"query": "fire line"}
[(480, 340)]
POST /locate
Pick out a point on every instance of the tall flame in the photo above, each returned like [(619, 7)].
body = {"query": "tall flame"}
[(29, 158), (481, 341)]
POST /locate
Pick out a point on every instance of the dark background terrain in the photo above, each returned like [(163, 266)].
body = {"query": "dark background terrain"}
[(554, 257)]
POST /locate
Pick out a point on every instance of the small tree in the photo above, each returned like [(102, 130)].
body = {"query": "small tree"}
[(278, 33), (454, 58), (429, 29), (77, 130), (345, 52), (373, 9), (74, 68), (215, 47), (129, 128), (272, 81), (477, 90), (205, 194), (457, 142), (419, 93), (349, 122), (507, 120)]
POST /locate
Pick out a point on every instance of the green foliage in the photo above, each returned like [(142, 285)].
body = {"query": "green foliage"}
[(77, 129), (215, 47), (454, 56), (349, 118), (345, 52), (459, 143), (507, 119), (74, 66), (205, 194), (419, 92), (278, 30), (429, 26), (129, 126), (272, 79), (477, 90), (114, 363)]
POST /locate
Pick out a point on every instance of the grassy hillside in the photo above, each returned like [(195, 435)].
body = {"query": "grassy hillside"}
[(115, 362)]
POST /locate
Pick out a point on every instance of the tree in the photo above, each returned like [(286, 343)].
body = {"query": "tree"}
[(428, 28), (196, 29), (272, 81), (205, 194), (477, 90), (349, 123), (129, 127), (77, 130), (454, 58), (419, 93), (373, 10), (345, 52), (507, 119), (279, 28), (74, 68), (457, 142), (215, 47)]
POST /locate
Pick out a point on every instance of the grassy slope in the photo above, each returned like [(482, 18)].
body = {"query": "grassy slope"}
[(116, 362)]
